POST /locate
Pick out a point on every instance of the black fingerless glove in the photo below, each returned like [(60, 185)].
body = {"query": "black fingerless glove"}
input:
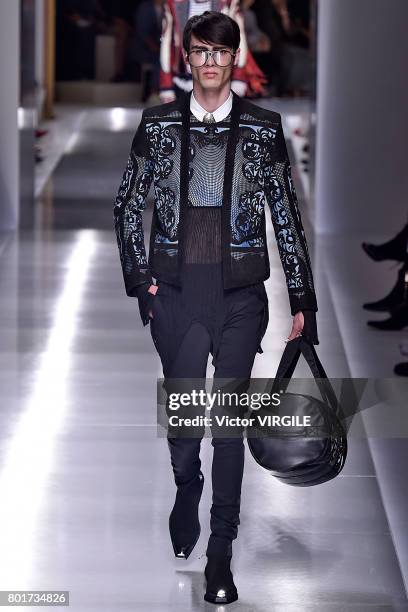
[(145, 299)]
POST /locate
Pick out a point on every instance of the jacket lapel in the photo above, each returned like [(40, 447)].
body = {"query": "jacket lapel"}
[(227, 189), (184, 168)]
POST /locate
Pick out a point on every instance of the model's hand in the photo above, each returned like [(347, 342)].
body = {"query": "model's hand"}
[(152, 289), (297, 326)]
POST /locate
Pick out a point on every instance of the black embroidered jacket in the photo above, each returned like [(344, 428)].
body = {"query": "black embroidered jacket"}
[(256, 174)]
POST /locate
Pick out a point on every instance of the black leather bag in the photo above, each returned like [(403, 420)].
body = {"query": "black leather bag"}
[(298, 455)]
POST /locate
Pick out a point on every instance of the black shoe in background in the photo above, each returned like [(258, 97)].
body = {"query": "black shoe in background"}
[(401, 369), (397, 321), (395, 249), (397, 295)]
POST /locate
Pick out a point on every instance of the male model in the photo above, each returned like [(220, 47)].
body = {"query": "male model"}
[(216, 161)]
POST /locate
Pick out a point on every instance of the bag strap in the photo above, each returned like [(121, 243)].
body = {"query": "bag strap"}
[(322, 380), (290, 357)]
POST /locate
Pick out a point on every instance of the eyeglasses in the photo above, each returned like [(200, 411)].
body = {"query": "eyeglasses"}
[(221, 57)]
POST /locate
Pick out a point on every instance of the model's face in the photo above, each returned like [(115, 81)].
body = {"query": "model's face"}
[(210, 75)]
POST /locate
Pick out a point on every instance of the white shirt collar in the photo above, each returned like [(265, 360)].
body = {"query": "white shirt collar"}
[(219, 114)]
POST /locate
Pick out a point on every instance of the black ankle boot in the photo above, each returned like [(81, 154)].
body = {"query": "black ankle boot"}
[(184, 523), (396, 248), (397, 295), (220, 582), (398, 319)]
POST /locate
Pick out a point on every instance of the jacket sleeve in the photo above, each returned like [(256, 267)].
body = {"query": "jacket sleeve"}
[(129, 204), (290, 236)]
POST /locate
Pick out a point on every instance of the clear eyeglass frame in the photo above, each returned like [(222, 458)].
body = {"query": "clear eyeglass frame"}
[(201, 57)]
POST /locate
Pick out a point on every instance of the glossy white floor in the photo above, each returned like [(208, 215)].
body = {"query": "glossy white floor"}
[(85, 483)]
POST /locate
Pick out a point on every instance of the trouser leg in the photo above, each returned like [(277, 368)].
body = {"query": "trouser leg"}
[(190, 363), (235, 358)]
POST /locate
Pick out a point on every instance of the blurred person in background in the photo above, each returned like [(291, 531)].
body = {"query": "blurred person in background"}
[(175, 74), (258, 41), (299, 65), (294, 24), (76, 28), (123, 14), (145, 46), (273, 23), (105, 21)]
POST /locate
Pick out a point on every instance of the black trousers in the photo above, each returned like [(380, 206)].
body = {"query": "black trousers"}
[(229, 327)]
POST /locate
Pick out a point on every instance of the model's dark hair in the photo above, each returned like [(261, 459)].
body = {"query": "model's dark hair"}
[(212, 27)]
